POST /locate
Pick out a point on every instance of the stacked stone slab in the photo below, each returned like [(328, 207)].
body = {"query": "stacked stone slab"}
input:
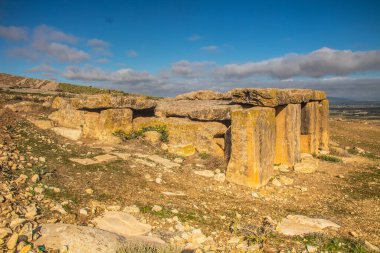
[(253, 129), (297, 127)]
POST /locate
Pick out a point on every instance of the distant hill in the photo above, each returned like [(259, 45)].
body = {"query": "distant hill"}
[(337, 102), (19, 82), (340, 100)]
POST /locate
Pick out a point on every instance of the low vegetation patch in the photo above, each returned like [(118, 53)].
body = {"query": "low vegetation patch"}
[(204, 155), (363, 184), (161, 129), (325, 243), (366, 154), (253, 234), (81, 89), (329, 158)]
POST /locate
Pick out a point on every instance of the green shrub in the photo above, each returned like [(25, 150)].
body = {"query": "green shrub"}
[(335, 244), (204, 155), (164, 136), (329, 158)]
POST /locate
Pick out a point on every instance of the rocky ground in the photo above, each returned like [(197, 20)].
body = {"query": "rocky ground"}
[(50, 181)]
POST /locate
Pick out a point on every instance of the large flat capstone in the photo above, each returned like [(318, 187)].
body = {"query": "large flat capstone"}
[(204, 95), (269, 97), (105, 101), (211, 110)]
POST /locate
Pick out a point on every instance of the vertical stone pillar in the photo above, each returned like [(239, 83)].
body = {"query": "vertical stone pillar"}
[(324, 125), (252, 146), (310, 125), (288, 134)]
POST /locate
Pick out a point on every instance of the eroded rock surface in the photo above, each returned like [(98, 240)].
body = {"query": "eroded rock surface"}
[(79, 239), (203, 95), (183, 131), (252, 151), (105, 101), (274, 97), (299, 225), (211, 110)]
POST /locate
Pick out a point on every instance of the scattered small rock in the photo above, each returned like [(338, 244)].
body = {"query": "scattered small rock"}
[(12, 241), (158, 180), (220, 177), (286, 180), (83, 212), (178, 160), (371, 246), (131, 209), (204, 173), (276, 182), (35, 178), (156, 208), (89, 191), (113, 208)]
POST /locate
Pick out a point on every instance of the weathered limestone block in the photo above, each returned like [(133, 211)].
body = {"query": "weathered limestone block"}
[(203, 95), (257, 97), (24, 106), (69, 133), (68, 117), (114, 119), (182, 150), (288, 133), (42, 123), (274, 97), (213, 110), (104, 101), (253, 136), (95, 125), (324, 119), (102, 125), (183, 131), (310, 127)]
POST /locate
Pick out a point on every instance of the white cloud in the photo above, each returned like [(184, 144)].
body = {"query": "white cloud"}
[(45, 34), (322, 62), (126, 76), (194, 37), (13, 33), (65, 53), (102, 61), (24, 53), (191, 69), (49, 42), (43, 68), (97, 43), (100, 47), (210, 48), (133, 53)]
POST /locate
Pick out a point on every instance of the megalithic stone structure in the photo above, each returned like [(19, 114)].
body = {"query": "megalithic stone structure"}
[(253, 133), (288, 134), (310, 127), (324, 119), (252, 128)]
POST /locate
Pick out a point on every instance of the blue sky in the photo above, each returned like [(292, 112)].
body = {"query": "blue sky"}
[(170, 47)]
